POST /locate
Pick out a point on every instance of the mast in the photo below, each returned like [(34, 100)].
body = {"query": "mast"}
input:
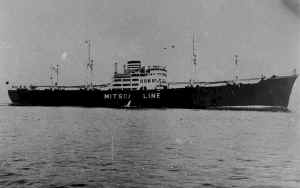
[(194, 60), (51, 76), (57, 72), (235, 59), (90, 64), (54, 68)]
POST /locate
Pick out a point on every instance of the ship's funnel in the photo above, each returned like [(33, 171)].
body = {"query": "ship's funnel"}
[(133, 65)]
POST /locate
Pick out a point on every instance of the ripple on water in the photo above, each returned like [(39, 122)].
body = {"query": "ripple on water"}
[(267, 186), (78, 185), (8, 174), (208, 185), (18, 183), (238, 178)]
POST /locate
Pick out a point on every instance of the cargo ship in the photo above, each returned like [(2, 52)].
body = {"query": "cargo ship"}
[(139, 86)]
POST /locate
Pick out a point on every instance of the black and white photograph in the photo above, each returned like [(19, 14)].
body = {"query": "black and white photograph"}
[(149, 93)]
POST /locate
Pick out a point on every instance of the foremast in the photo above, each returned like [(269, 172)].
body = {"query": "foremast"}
[(90, 65)]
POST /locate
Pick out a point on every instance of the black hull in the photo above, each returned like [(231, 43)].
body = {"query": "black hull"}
[(272, 92)]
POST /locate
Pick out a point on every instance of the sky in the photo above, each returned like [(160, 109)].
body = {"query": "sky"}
[(36, 34)]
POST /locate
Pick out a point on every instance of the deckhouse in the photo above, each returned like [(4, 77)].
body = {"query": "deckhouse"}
[(137, 77)]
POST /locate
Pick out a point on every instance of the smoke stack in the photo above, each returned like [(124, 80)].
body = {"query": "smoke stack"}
[(116, 67)]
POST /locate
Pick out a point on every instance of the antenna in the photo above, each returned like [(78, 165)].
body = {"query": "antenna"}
[(90, 64)]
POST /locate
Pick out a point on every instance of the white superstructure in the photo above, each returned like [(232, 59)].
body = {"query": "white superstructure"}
[(136, 77)]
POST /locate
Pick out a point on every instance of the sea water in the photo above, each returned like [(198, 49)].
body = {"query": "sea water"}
[(103, 147)]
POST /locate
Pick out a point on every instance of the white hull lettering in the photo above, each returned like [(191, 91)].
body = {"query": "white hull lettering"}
[(121, 96), (151, 96), (118, 96), (106, 96)]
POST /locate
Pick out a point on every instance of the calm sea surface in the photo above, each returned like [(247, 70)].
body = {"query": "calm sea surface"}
[(102, 147)]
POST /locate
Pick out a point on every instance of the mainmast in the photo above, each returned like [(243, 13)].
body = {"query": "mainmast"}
[(194, 61), (90, 64)]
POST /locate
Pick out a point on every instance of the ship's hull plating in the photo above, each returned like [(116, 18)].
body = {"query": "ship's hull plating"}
[(270, 92)]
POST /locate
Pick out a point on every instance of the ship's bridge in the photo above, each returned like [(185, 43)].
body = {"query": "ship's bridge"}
[(136, 77)]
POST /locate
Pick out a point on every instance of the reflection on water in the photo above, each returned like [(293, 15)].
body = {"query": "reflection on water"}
[(98, 147)]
